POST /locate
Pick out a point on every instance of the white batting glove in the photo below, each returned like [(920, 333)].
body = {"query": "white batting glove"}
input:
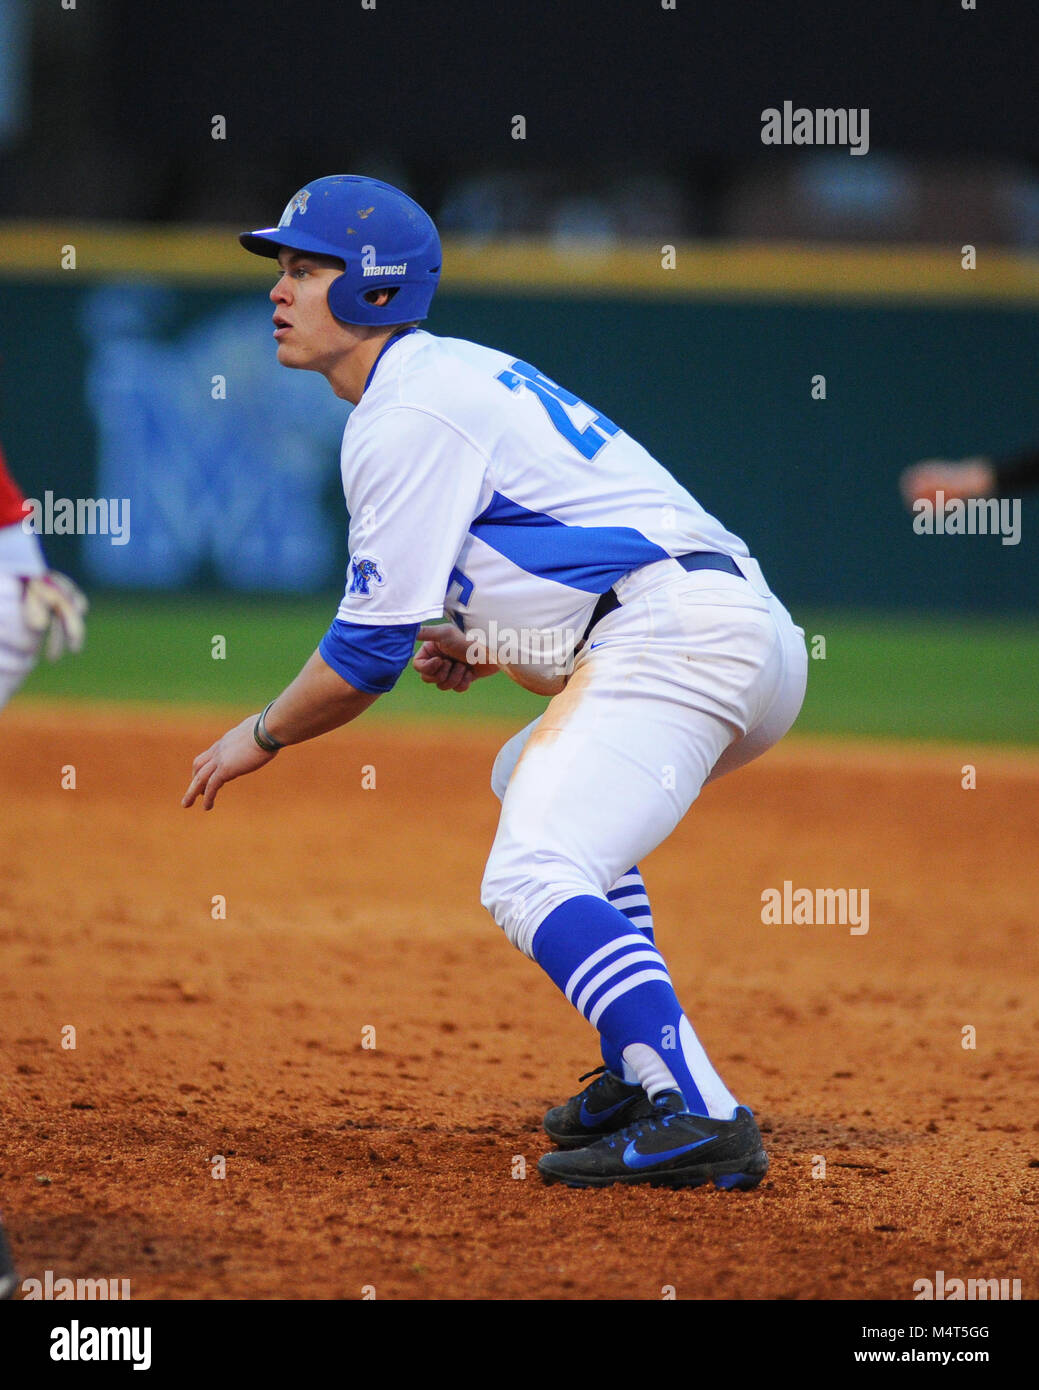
[(52, 604)]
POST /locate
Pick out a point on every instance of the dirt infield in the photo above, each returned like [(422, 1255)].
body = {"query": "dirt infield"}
[(393, 1167)]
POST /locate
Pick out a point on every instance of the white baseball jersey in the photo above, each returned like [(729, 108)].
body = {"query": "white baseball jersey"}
[(478, 486)]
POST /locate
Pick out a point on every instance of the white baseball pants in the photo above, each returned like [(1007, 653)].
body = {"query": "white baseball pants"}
[(693, 676)]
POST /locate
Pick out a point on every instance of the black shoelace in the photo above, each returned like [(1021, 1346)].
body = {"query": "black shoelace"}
[(595, 1071), (637, 1128)]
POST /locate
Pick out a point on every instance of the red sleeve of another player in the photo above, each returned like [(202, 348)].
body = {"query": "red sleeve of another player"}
[(11, 499)]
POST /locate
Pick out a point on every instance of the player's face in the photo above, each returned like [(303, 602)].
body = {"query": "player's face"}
[(307, 334)]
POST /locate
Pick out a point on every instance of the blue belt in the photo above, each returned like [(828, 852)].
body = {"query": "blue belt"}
[(698, 560)]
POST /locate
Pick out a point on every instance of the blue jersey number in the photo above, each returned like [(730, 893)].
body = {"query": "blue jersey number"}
[(464, 583), (556, 399)]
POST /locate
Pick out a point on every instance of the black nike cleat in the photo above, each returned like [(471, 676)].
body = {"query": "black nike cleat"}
[(608, 1104), (670, 1149)]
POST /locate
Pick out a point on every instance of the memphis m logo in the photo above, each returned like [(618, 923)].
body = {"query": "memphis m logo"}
[(364, 572), (297, 204)]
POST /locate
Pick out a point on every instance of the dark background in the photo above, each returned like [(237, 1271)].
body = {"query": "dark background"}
[(121, 94)]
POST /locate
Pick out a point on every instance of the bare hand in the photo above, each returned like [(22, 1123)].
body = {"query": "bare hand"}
[(231, 756), (441, 660)]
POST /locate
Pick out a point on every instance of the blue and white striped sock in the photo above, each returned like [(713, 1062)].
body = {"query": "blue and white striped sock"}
[(618, 980), (629, 896)]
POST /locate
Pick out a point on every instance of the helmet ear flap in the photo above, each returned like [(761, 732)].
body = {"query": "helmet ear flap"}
[(339, 298), (344, 298)]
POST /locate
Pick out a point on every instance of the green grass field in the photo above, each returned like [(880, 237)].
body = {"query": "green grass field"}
[(884, 676)]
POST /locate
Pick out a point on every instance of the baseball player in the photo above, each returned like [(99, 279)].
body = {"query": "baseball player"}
[(562, 552), (39, 608)]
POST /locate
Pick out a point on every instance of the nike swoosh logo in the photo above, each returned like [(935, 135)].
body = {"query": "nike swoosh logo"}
[(592, 1118), (594, 645), (633, 1159)]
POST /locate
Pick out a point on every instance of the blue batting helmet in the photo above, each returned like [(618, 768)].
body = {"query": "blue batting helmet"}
[(384, 239)]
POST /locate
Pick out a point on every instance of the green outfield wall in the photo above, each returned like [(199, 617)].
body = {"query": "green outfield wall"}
[(147, 372)]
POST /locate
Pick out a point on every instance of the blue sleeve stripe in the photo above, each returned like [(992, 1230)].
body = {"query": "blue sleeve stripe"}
[(370, 658)]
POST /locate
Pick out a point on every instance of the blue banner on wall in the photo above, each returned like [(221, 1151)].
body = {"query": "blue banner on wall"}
[(225, 456)]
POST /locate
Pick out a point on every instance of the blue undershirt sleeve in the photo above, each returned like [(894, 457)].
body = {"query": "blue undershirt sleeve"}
[(370, 658)]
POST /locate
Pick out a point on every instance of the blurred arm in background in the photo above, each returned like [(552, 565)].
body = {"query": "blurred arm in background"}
[(970, 477)]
